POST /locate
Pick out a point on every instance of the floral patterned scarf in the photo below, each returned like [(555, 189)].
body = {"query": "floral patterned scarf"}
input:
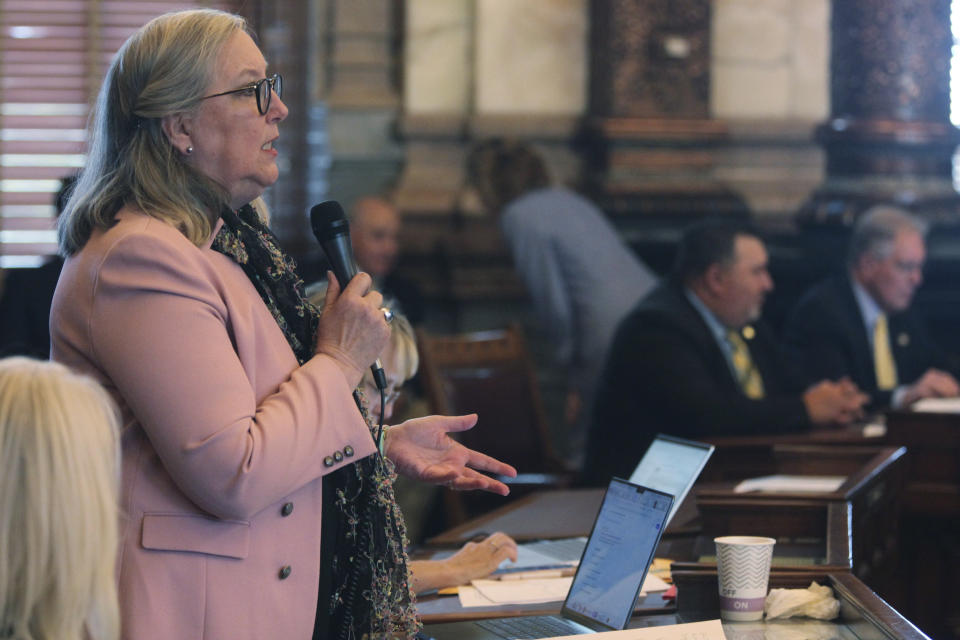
[(364, 585)]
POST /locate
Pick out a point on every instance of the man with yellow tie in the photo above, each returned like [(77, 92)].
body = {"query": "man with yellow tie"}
[(692, 359), (860, 325)]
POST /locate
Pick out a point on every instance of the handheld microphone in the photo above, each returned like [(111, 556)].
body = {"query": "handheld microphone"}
[(332, 230)]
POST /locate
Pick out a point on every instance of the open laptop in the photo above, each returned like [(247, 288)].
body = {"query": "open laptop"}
[(671, 465), (605, 588)]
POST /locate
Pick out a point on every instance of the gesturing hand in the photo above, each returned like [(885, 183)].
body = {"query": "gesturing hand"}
[(422, 449)]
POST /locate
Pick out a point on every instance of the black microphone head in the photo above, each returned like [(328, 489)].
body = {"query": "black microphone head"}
[(328, 221)]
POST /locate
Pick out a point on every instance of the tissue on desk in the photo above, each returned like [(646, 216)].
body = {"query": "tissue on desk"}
[(813, 602)]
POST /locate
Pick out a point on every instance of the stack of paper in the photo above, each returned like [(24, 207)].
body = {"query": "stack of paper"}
[(937, 405), (791, 484)]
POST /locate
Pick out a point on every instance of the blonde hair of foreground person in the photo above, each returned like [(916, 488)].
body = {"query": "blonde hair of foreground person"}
[(59, 471)]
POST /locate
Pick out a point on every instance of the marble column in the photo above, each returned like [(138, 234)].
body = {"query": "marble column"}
[(889, 136), (437, 94)]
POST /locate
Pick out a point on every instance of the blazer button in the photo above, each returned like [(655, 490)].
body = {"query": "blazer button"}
[(287, 509), (348, 451), (338, 456), (285, 572), (328, 461)]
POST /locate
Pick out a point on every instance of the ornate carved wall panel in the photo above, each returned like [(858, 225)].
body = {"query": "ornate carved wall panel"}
[(651, 58), (653, 142)]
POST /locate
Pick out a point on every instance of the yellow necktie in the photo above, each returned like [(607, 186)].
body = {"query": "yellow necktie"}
[(882, 355), (747, 375)]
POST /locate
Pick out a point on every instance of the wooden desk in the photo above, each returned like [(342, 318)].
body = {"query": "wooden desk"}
[(927, 585), (434, 609), (870, 488), (930, 556), (834, 531), (872, 491), (863, 614), (797, 550), (933, 460)]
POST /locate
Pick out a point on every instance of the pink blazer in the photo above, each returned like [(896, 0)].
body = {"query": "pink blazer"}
[(225, 438)]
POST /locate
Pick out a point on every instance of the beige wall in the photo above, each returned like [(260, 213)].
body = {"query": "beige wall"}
[(770, 59), (531, 57), (438, 57), (495, 56)]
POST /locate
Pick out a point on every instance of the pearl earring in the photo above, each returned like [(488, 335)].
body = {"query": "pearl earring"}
[(189, 150)]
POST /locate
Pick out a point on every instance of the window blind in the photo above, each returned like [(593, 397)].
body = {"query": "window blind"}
[(53, 56)]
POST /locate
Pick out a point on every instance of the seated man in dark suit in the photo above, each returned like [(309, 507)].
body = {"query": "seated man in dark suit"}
[(692, 359), (860, 325)]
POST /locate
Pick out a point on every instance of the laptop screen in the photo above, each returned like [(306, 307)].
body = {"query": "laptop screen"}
[(672, 465), (618, 554)]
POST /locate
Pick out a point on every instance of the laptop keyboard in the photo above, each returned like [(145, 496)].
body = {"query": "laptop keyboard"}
[(531, 627)]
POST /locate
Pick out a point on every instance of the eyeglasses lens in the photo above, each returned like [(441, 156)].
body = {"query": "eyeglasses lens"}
[(265, 89)]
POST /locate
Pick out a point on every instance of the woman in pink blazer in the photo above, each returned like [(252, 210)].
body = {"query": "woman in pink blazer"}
[(235, 396)]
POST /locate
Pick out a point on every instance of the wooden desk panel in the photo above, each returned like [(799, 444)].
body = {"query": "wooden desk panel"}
[(930, 556), (862, 612), (933, 460), (872, 491)]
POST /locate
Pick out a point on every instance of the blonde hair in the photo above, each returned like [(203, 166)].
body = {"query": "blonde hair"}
[(162, 69), (59, 473), (403, 350)]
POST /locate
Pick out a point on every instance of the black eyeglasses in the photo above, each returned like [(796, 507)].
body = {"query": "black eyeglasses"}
[(263, 89)]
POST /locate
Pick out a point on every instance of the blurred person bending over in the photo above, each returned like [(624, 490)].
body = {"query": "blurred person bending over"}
[(256, 499), (861, 325), (581, 276), (694, 360), (59, 476)]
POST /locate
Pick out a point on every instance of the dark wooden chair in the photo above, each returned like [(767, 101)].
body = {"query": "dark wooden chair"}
[(490, 373)]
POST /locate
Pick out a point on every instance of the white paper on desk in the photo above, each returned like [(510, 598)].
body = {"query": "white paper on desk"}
[(791, 484), (937, 405), (709, 630), (492, 593), (653, 584), (523, 591), (874, 430)]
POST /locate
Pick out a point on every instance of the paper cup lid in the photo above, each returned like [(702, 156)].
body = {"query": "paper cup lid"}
[(744, 540)]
